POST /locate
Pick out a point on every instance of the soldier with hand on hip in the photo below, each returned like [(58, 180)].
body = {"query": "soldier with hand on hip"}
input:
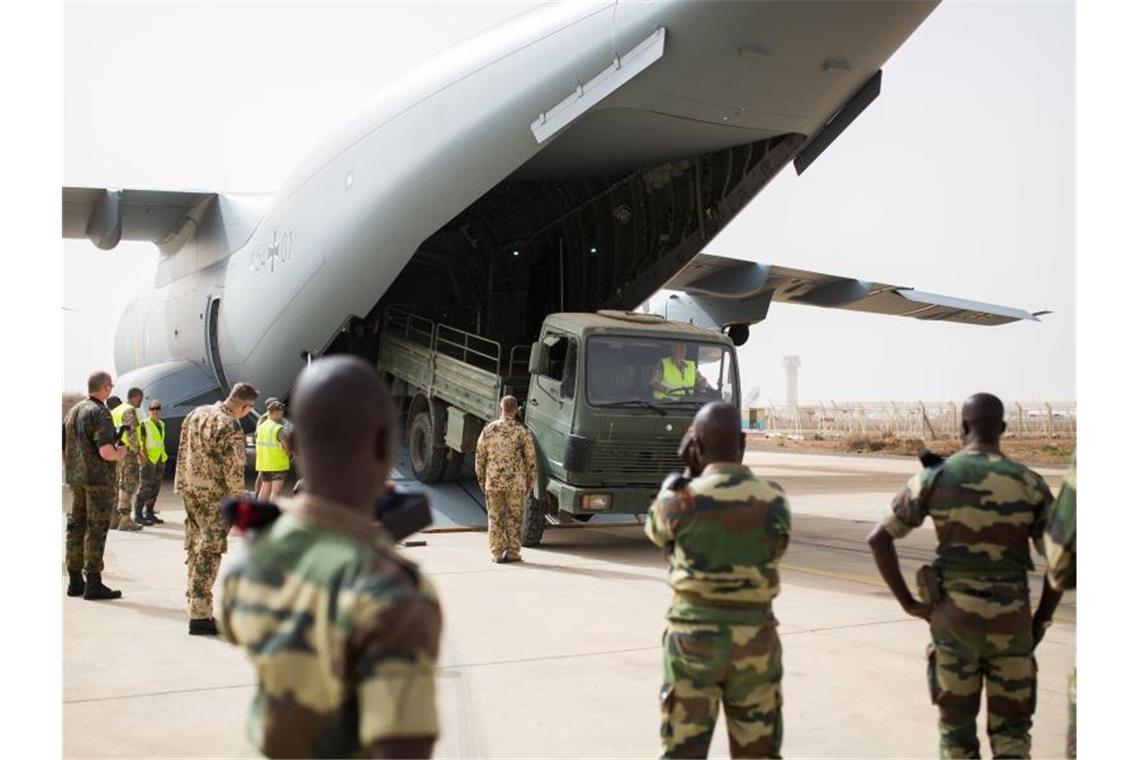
[(506, 469), (723, 532), (90, 451), (986, 510), (211, 466), (358, 625)]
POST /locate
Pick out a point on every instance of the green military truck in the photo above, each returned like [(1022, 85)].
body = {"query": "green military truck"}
[(606, 414)]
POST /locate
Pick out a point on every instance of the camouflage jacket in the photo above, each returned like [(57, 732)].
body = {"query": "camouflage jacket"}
[(132, 439), (504, 456), (87, 427), (725, 533), (343, 633), (211, 454), (1061, 534), (986, 510)]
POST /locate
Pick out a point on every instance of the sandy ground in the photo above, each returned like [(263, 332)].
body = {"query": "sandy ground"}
[(558, 656)]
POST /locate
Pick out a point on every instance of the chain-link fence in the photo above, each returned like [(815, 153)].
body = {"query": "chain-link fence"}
[(907, 419)]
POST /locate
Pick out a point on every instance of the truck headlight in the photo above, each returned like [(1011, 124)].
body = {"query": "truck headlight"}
[(595, 502)]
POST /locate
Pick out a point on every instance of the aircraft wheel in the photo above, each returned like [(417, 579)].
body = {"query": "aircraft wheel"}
[(427, 458), (533, 521)]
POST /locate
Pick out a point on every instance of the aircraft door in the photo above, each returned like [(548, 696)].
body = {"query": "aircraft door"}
[(213, 353), (550, 400)]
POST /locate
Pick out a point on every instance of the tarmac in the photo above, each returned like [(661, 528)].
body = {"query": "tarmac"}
[(559, 656)]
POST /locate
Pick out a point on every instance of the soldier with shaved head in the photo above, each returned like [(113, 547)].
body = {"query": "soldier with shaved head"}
[(723, 533), (987, 509), (342, 630)]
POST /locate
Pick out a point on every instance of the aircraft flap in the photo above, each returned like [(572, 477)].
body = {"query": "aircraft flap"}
[(725, 286)]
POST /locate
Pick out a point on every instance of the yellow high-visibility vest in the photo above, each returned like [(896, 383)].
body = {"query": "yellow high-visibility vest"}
[(673, 378), (271, 454), (117, 415), (155, 440)]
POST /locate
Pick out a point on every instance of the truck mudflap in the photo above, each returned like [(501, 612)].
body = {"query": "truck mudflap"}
[(578, 500)]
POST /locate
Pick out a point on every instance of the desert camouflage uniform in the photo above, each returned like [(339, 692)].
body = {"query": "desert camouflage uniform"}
[(1061, 556), (504, 465), (210, 467), (343, 633), (986, 509), (725, 533), (127, 473), (86, 428)]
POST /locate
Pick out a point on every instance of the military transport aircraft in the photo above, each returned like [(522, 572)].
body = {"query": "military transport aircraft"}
[(575, 158)]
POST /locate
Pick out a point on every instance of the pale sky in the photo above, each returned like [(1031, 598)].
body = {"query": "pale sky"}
[(958, 180)]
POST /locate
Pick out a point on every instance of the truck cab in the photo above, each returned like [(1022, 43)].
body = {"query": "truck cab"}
[(604, 415)]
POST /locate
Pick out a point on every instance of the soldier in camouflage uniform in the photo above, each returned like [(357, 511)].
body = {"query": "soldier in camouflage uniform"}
[(127, 470), (210, 467), (89, 456), (986, 510), (342, 630), (723, 533), (1061, 557), (506, 469)]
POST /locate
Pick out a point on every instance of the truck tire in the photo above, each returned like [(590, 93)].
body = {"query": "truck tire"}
[(533, 521), (426, 457)]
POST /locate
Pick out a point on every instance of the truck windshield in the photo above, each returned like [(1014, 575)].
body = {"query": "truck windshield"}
[(663, 372)]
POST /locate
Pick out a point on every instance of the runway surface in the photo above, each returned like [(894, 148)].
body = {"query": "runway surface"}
[(558, 656)]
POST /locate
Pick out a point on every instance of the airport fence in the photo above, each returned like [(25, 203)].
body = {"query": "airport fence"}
[(928, 420)]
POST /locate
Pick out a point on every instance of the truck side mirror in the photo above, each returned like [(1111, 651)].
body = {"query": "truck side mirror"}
[(534, 366)]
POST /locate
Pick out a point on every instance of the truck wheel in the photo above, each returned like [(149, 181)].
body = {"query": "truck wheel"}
[(533, 521), (427, 458)]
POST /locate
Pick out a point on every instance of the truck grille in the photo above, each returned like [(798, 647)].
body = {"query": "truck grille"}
[(620, 463)]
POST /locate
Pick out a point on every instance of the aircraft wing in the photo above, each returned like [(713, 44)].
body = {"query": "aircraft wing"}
[(733, 291), (107, 216)]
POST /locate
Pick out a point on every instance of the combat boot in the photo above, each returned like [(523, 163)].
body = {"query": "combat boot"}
[(126, 523), (152, 517), (139, 519), (114, 524), (75, 583), (95, 590), (203, 627)]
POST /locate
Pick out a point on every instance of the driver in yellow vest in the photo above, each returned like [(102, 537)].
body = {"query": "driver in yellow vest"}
[(127, 469), (675, 377), (272, 462), (153, 432)]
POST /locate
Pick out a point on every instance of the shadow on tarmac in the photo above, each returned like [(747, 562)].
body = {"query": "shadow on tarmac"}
[(590, 572)]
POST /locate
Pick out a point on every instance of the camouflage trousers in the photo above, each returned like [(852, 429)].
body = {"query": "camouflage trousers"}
[(982, 635), (127, 480), (150, 482), (706, 664), (205, 543), (87, 524), (504, 522)]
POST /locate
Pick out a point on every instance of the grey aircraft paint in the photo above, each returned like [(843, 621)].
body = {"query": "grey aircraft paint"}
[(247, 285)]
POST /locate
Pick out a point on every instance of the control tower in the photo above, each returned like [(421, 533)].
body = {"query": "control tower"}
[(791, 379)]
